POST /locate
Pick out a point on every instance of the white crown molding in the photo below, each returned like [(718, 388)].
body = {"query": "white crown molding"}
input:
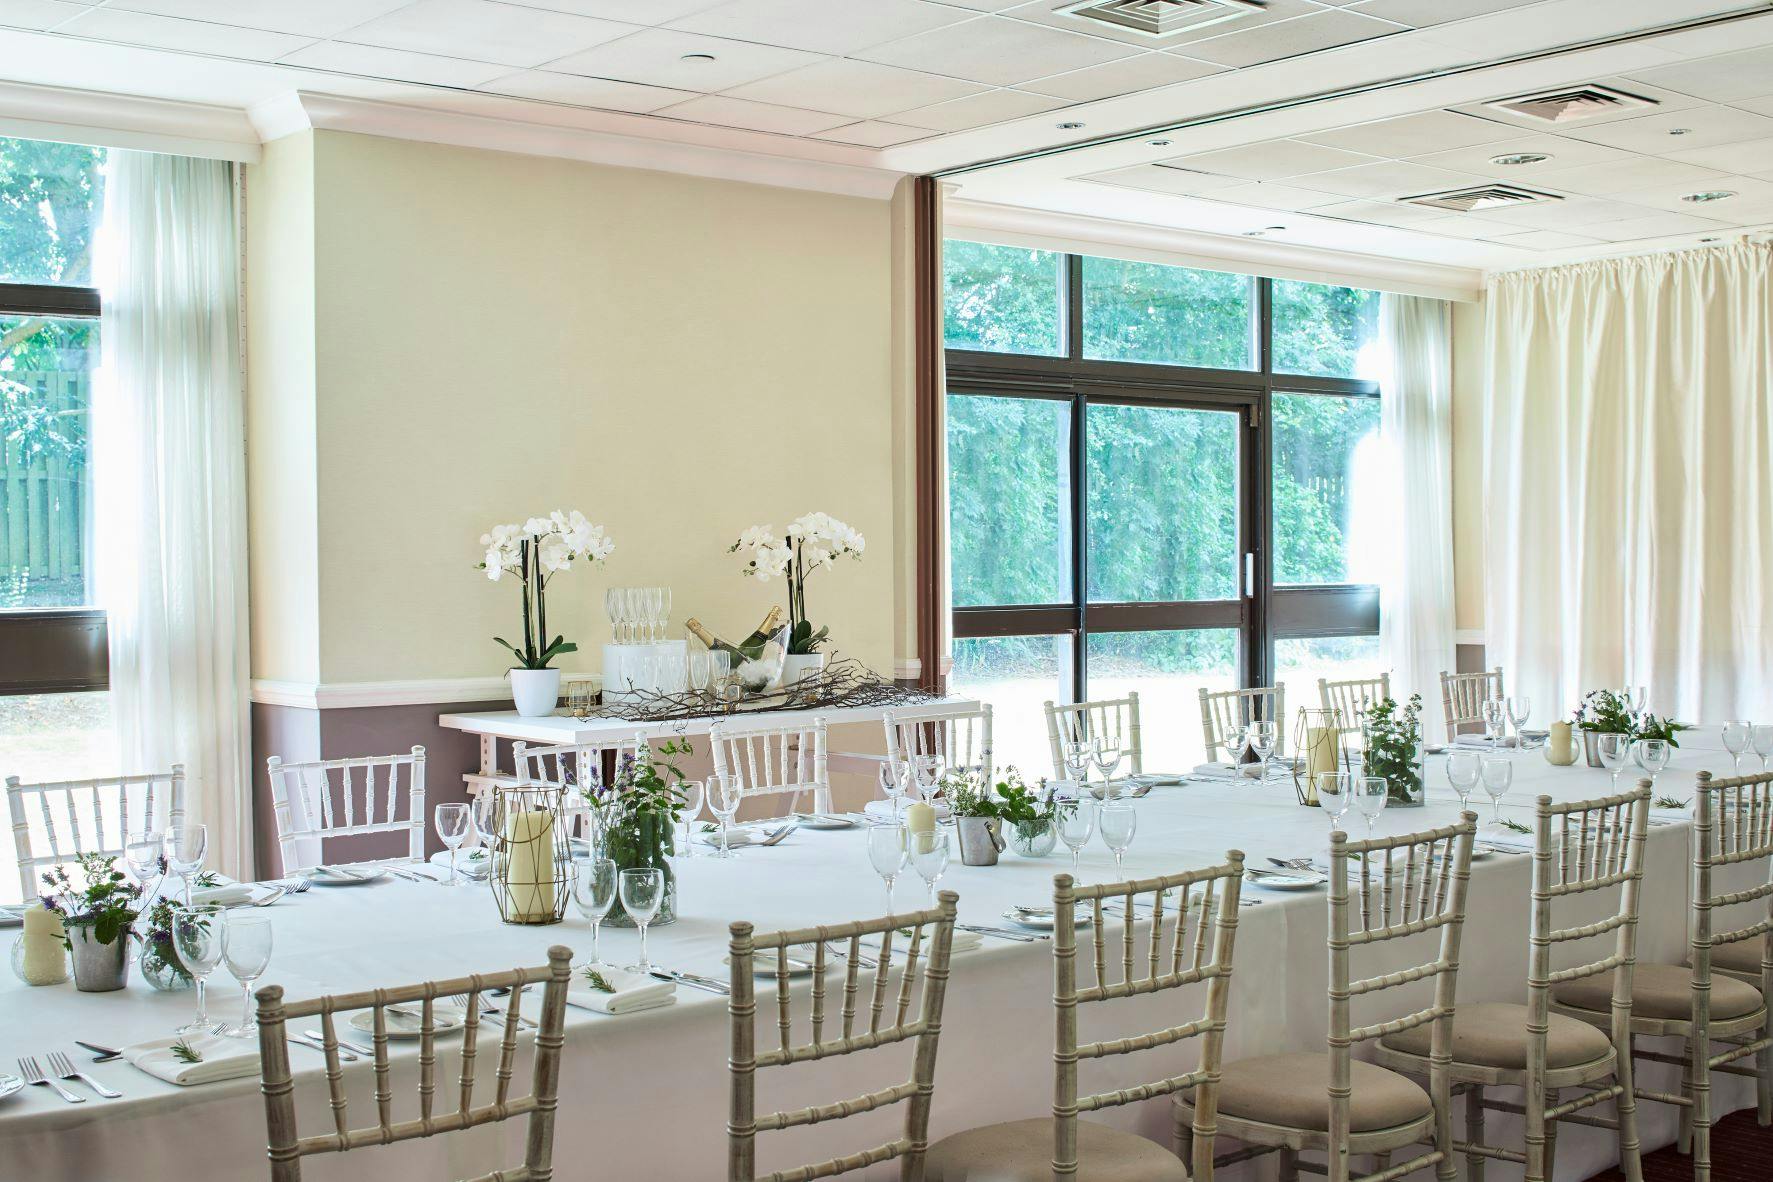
[(1012, 225), (302, 110), (1469, 636), (443, 691), (126, 121)]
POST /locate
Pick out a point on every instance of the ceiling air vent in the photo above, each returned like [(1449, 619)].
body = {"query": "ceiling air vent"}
[(1572, 104), (1161, 19), (1482, 197)]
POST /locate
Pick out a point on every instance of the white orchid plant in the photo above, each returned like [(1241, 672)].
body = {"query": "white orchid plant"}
[(535, 552), (809, 543)]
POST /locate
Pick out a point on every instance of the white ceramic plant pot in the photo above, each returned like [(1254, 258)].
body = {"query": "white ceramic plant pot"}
[(798, 665), (536, 691)]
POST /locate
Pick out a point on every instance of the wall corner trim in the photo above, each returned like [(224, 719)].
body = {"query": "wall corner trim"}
[(448, 691)]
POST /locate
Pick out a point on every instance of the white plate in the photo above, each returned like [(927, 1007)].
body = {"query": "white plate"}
[(10, 1085), (1044, 922), (1286, 880), (343, 875), (825, 821), (445, 1019), (800, 962)]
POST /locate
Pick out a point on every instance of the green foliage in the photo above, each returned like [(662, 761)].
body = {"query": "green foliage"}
[(1611, 714), (638, 811), (1164, 315), (1010, 800), (1002, 299), (104, 900), (598, 981), (1321, 330), (1394, 737), (184, 1052)]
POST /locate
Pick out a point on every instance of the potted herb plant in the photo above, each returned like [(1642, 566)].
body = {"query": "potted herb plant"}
[(1394, 750), (97, 915), (1605, 712), (809, 543), (977, 820), (637, 814), (535, 552)]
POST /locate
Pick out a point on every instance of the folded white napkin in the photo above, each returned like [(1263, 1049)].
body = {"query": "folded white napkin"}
[(737, 837), (962, 942), (220, 1058), (227, 894), (632, 991), (469, 863), (1482, 741), (1506, 839), (1223, 771), (882, 810)]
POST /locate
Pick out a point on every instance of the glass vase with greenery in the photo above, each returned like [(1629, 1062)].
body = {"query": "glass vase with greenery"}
[(1394, 749), (160, 960), (637, 814)]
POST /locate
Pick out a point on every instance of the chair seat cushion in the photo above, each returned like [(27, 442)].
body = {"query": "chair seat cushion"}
[(1294, 1091), (1744, 956), (1494, 1034), (1022, 1151), (1662, 991)]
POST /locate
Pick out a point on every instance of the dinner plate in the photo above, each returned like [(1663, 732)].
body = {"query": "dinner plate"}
[(1043, 920), (825, 821), (343, 875), (10, 1085), (1286, 880), (800, 962), (445, 1019)]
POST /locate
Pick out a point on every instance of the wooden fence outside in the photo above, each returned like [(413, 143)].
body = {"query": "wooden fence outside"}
[(43, 503)]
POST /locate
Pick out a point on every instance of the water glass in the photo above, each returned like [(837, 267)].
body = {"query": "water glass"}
[(1078, 755), (1520, 706), (1261, 739), (929, 857), (1334, 795), (887, 854), (1652, 755), (1494, 715), (1763, 743), (1738, 733), (693, 793), (729, 793), (1497, 773), (246, 950), (594, 893), (700, 666), (185, 847), (1107, 759), (1462, 772), (1614, 749), (453, 824), (1119, 820), (144, 852), (1077, 824), (197, 934), (895, 781), (643, 889), (928, 771), (1370, 796)]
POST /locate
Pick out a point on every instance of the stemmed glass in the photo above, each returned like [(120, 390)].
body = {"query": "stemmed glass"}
[(729, 793), (1763, 742), (893, 782), (1079, 753), (1119, 820), (643, 889), (693, 793), (1497, 773), (1738, 733), (1494, 714), (1077, 824), (929, 857), (720, 669), (928, 771), (197, 933), (1613, 748), (887, 854), (614, 607), (1463, 768), (453, 823), (664, 610), (185, 847), (145, 851), (1652, 755), (1370, 796), (700, 667), (246, 950), (1261, 739), (1107, 759), (1334, 795), (1520, 706), (594, 893), (636, 611)]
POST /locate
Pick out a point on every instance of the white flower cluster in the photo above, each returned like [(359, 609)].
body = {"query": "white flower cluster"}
[(560, 540), (822, 540)]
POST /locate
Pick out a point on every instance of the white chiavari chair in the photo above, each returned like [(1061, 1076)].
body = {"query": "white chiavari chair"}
[(959, 735), (1116, 719), (1580, 848), (327, 799), (1332, 1103), (54, 823), (288, 1147), (1064, 1145), (1352, 699), (571, 766), (1733, 826), (1225, 713), (1463, 696), (772, 759), (872, 1015)]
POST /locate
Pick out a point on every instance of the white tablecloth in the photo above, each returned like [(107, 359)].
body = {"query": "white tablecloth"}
[(644, 1095)]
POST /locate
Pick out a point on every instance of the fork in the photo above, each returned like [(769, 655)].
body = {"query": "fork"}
[(487, 1007), (33, 1074), (62, 1067), (866, 962), (781, 833)]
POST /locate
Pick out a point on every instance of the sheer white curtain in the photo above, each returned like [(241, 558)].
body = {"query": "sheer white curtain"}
[(1416, 429), (169, 485), (1629, 480)]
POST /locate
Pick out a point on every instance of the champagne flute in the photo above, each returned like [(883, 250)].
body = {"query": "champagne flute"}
[(693, 792), (1520, 706), (1652, 755), (453, 823), (888, 855), (614, 608), (1497, 773), (1613, 748), (197, 935), (1077, 824), (1370, 796), (664, 610), (700, 665), (185, 847), (1119, 820), (729, 793), (1335, 795), (594, 893), (1763, 743), (929, 857), (1463, 768), (642, 889), (246, 950), (1738, 733)]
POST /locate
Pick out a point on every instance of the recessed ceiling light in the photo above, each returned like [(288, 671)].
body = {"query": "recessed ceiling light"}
[(1069, 126), (1709, 195), (1520, 158), (1158, 143), (1263, 232), (697, 57), (1704, 241), (1680, 131)]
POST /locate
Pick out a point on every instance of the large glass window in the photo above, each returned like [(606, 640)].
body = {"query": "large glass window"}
[(1009, 499), (1324, 331), (1324, 476), (1002, 299), (46, 369), (52, 737), (1165, 315), (51, 197), (1018, 675), (1168, 670)]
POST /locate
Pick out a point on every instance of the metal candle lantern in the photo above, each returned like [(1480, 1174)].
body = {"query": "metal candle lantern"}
[(1317, 746), (532, 856)]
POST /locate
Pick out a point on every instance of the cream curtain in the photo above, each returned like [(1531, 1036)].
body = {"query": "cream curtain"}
[(169, 485), (1629, 481), (1416, 566)]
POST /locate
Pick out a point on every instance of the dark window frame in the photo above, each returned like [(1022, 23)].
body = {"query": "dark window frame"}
[(1267, 612)]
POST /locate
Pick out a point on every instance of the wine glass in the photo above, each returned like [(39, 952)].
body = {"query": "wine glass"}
[(720, 671), (1652, 755), (197, 935), (246, 950), (594, 893), (453, 823), (1078, 755), (1763, 743), (1370, 796), (1119, 820), (1107, 759), (1261, 738), (887, 854), (1334, 795), (693, 792), (185, 847), (1493, 714), (1738, 733), (928, 771), (893, 782), (1077, 824), (929, 857), (1463, 768), (144, 851), (1520, 706), (1613, 748), (1497, 773), (729, 793), (643, 889)]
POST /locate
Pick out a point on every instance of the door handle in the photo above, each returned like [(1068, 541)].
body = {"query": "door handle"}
[(1250, 575)]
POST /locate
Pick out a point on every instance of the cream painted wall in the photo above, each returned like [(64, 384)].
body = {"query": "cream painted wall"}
[(497, 335), (1468, 466)]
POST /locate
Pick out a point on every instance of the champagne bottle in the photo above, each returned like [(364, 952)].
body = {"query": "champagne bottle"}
[(746, 650)]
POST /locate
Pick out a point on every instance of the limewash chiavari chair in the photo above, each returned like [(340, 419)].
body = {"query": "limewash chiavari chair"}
[(311, 807), (288, 1147), (1733, 825), (1225, 713), (1351, 699), (109, 808), (1331, 1103), (958, 735), (1112, 718), (770, 759), (1579, 848), (1062, 1146), (871, 1016), (1463, 696)]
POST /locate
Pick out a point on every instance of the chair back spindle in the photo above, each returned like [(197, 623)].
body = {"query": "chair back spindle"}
[(326, 799), (1350, 700), (1116, 719), (54, 823)]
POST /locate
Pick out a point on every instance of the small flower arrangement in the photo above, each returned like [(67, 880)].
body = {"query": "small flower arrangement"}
[(1611, 713), (637, 815), (1394, 740), (535, 552), (160, 955), (1010, 800), (104, 903), (809, 543)]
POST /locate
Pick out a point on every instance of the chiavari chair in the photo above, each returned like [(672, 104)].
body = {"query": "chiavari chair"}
[(54, 823), (1225, 713), (958, 735), (1350, 700), (1115, 719), (326, 799), (772, 759), (1463, 696)]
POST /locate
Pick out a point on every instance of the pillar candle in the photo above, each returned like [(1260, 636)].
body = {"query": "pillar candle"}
[(1320, 751), (529, 865), (45, 958), (1560, 749), (920, 818)]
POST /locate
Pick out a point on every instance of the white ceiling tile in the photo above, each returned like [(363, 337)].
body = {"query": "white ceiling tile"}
[(1456, 226), (36, 14), (1146, 72), (1272, 196), (824, 26), (1160, 178), (371, 62), (1658, 225), (861, 90), (166, 32), (1272, 160), (1413, 135), (1054, 15), (1749, 194), (1325, 29), (998, 51), (1572, 213), (1760, 106), (1721, 79), (983, 5), (634, 12), (483, 30), (732, 112), (1547, 240), (603, 93), (666, 57), (1560, 153), (1624, 176), (1423, 13), (310, 18), (1705, 127), (1384, 213), (1388, 178), (979, 110), (872, 134), (1749, 156)]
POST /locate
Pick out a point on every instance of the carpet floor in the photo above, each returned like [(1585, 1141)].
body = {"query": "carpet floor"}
[(1741, 1151)]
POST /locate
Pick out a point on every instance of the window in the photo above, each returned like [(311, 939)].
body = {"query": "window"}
[(1002, 299), (1321, 487), (52, 737), (1018, 675), (1326, 332), (1168, 315), (1009, 549)]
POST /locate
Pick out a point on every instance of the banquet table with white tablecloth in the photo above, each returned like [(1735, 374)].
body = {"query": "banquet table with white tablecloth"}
[(644, 1094)]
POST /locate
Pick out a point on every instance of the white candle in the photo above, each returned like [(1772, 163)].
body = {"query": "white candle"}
[(529, 865), (45, 958), (920, 818)]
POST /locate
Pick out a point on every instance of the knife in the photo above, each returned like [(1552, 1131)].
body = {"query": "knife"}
[(706, 984), (105, 1054)]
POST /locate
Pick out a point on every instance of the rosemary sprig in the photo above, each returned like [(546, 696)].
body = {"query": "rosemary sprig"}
[(208, 878), (598, 981), (1669, 802), (1516, 827), (184, 1052)]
